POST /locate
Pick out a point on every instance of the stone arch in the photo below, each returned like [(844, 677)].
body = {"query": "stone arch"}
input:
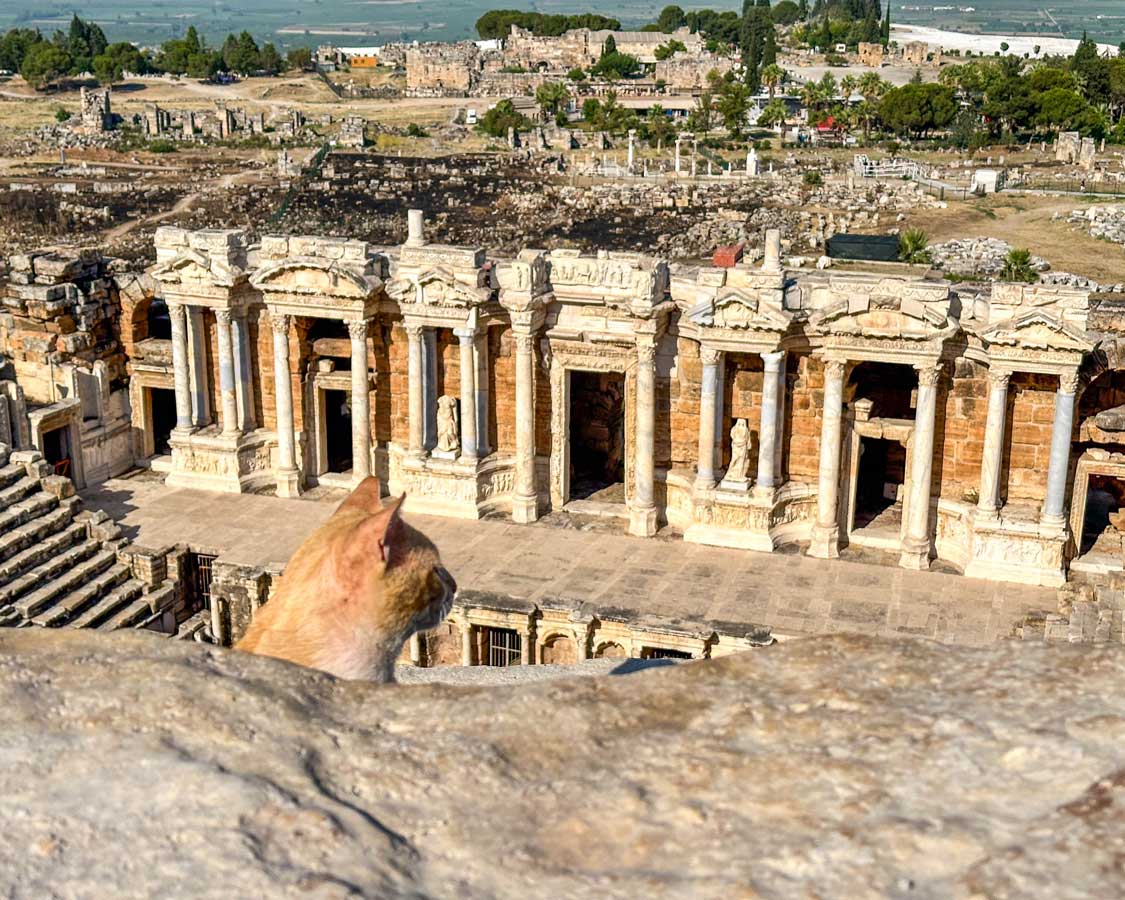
[(610, 650), (559, 649)]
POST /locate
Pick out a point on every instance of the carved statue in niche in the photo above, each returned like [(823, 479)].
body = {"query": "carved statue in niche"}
[(736, 477), (448, 432)]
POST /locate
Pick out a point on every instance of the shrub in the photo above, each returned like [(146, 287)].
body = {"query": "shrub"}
[(161, 146), (1017, 266), (61, 115), (813, 178), (912, 246), (415, 130)]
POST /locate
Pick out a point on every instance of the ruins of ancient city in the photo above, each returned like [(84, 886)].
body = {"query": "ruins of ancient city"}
[(452, 452)]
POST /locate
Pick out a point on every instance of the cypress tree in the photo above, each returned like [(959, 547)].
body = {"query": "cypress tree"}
[(769, 48), (887, 26)]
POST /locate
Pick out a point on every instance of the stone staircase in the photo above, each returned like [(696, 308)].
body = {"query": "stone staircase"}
[(61, 567)]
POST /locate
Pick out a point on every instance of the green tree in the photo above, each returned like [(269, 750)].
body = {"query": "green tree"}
[(785, 13), (299, 58), (886, 31), (116, 60), (772, 78), (14, 46), (1091, 71), (1018, 267), (44, 63), (660, 127), (615, 66), (912, 246), (500, 118), (702, 116), (918, 109), (669, 49), (671, 18), (269, 60), (552, 98), (240, 54), (775, 113), (733, 104), (576, 75), (83, 41), (1060, 109)]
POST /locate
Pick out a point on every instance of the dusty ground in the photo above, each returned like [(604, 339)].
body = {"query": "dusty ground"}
[(1025, 221)]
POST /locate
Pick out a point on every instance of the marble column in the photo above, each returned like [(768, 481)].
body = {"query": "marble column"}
[(525, 499), (582, 643), (1058, 467), (416, 411), (642, 511), (197, 366), (229, 401), (708, 398), (180, 373), (480, 360), (466, 644), (416, 649), (288, 481), (361, 401), (768, 439), (243, 376), (824, 542), (988, 502), (469, 443), (779, 444), (917, 540)]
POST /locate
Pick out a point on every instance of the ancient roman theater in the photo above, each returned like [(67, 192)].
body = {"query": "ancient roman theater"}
[(906, 422)]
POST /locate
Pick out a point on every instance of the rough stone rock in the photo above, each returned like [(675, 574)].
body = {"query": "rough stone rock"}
[(833, 767)]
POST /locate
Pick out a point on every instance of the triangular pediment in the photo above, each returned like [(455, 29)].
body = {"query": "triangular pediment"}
[(1037, 329), (881, 318), (738, 309), (192, 267), (314, 276), (436, 286)]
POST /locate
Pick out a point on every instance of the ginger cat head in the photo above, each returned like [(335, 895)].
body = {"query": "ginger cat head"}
[(354, 592)]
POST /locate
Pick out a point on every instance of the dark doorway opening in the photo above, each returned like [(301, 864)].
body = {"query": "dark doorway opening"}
[(663, 653), (338, 430), (159, 322), (197, 580), (597, 436), (1103, 508), (882, 471), (163, 403), (56, 450)]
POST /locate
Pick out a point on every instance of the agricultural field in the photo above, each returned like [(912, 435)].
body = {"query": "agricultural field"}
[(368, 22)]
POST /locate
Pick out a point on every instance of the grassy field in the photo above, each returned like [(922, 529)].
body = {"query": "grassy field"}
[(368, 22)]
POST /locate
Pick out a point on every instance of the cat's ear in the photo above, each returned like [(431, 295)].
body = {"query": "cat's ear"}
[(380, 535), (365, 497)]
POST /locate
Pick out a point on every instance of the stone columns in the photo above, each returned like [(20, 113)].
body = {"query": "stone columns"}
[(642, 512), (180, 373), (466, 644), (429, 388), (826, 531), (708, 398), (197, 366), (288, 481), (1057, 469), (678, 140), (469, 442), (771, 261), (582, 643), (229, 401), (632, 141), (988, 503), (779, 443), (361, 402), (916, 542), (416, 411), (415, 228), (243, 376), (480, 360), (525, 499), (768, 438)]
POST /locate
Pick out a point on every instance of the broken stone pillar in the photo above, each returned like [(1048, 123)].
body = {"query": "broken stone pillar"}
[(753, 164), (772, 259), (632, 141), (824, 542), (415, 228), (642, 511)]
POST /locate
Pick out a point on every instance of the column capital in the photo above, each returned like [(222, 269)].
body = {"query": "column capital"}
[(357, 329), (835, 368), (466, 333), (999, 378), (1068, 382), (646, 352), (280, 324), (772, 360), (928, 373), (223, 317), (524, 341), (414, 330), (710, 356), (177, 313)]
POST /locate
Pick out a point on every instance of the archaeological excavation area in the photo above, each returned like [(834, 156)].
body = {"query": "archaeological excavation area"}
[(894, 419)]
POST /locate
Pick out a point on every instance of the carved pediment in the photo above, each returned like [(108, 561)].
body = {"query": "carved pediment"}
[(194, 268), (1037, 329), (882, 317), (315, 277), (738, 309), (436, 286)]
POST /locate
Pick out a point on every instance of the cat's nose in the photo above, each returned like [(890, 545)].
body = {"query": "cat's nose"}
[(447, 581)]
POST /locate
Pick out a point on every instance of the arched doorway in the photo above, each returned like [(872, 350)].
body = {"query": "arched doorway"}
[(1098, 489)]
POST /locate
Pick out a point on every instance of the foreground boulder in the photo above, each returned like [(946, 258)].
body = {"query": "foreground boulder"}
[(841, 766)]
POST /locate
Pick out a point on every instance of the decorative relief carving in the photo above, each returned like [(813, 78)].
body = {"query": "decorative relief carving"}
[(835, 368), (999, 378), (928, 375), (357, 329), (1068, 382), (223, 317), (709, 356), (280, 324)]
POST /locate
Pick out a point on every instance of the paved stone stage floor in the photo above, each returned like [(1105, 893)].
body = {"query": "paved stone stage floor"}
[(564, 556)]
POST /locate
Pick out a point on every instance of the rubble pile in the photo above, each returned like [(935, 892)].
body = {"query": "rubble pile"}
[(1105, 222), (977, 256)]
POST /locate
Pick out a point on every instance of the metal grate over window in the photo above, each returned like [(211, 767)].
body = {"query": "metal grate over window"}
[(504, 646), (199, 581), (664, 653)]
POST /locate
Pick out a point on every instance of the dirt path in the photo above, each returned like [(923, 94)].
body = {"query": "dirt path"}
[(1026, 221), (180, 206)]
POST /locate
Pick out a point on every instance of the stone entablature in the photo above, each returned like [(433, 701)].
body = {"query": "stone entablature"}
[(740, 418)]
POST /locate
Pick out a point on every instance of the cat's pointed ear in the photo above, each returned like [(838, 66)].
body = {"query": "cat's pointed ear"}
[(381, 534), (365, 497)]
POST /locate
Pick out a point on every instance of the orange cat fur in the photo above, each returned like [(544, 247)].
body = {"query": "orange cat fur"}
[(354, 592)]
